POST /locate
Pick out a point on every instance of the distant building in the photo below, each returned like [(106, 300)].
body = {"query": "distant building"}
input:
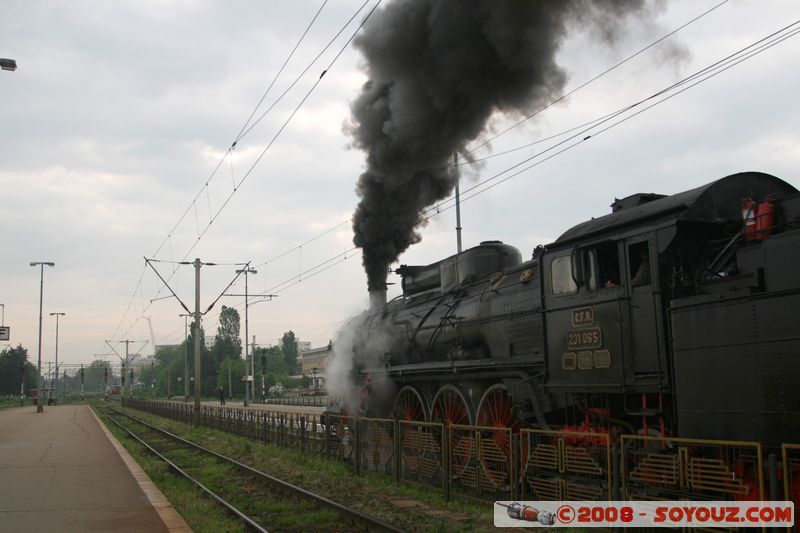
[(314, 364), (160, 347), (303, 346), (145, 360)]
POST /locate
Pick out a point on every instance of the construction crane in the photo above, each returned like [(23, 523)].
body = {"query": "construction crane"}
[(152, 336)]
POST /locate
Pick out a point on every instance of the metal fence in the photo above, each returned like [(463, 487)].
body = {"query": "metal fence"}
[(790, 455), (691, 469), (296, 430), (496, 464), (421, 453), (481, 461), (308, 401), (565, 465)]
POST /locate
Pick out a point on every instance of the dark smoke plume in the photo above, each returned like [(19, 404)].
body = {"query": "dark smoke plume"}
[(437, 71)]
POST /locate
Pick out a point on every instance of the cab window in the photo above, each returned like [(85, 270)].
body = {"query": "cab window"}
[(639, 260), (561, 281), (603, 268)]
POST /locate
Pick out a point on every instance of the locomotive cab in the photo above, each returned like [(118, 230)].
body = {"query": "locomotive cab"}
[(612, 287), (602, 315)]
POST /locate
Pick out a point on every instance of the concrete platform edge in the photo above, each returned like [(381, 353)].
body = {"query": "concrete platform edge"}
[(172, 520)]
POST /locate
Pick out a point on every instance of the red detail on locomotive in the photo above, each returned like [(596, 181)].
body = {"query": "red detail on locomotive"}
[(765, 219), (595, 435), (749, 217)]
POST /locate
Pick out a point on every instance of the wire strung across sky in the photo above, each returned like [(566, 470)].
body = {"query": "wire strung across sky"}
[(583, 134), (296, 279), (243, 132), (469, 161)]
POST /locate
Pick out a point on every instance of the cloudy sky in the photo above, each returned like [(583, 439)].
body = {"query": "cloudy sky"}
[(116, 127)]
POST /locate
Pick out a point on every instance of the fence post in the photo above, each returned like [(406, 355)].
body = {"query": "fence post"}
[(478, 463), (773, 477), (396, 445), (515, 466), (357, 434), (327, 435), (447, 438), (614, 472)]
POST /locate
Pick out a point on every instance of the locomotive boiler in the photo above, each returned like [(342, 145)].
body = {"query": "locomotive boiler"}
[(670, 316)]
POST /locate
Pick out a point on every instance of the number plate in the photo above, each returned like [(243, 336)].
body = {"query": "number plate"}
[(584, 338)]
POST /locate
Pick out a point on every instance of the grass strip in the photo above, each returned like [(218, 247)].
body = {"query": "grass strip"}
[(198, 510), (407, 506)]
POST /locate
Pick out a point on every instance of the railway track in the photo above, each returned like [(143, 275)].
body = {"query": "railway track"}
[(260, 501)]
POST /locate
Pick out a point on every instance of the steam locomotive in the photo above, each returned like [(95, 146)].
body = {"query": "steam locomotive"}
[(671, 316)]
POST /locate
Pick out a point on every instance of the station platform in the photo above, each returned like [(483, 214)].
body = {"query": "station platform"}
[(61, 470)]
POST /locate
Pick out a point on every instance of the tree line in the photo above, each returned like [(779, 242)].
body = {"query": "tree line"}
[(222, 365)]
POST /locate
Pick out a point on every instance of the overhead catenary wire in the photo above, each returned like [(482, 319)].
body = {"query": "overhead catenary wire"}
[(305, 275), (597, 77), (219, 164), (313, 61), (168, 238), (245, 129), (278, 133), (278, 74), (683, 85), (584, 135), (470, 161)]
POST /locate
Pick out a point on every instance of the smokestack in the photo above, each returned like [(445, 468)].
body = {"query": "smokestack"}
[(377, 299), (438, 69)]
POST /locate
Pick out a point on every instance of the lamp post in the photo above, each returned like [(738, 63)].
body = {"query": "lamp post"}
[(247, 388), (41, 264), (8, 64), (266, 297), (186, 355), (57, 315)]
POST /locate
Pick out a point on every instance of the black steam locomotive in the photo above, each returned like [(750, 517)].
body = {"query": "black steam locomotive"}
[(672, 316)]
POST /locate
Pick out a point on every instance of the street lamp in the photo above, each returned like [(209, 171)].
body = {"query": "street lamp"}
[(41, 264), (8, 64), (57, 315)]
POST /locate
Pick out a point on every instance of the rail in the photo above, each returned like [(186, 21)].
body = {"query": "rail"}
[(367, 522)]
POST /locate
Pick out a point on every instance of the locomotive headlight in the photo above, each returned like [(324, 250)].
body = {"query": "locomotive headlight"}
[(525, 276)]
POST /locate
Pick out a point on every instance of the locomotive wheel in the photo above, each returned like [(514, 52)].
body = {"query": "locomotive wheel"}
[(495, 411), (450, 407), (409, 405)]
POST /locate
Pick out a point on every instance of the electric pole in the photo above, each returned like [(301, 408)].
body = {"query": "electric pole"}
[(458, 204), (197, 265), (197, 316)]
